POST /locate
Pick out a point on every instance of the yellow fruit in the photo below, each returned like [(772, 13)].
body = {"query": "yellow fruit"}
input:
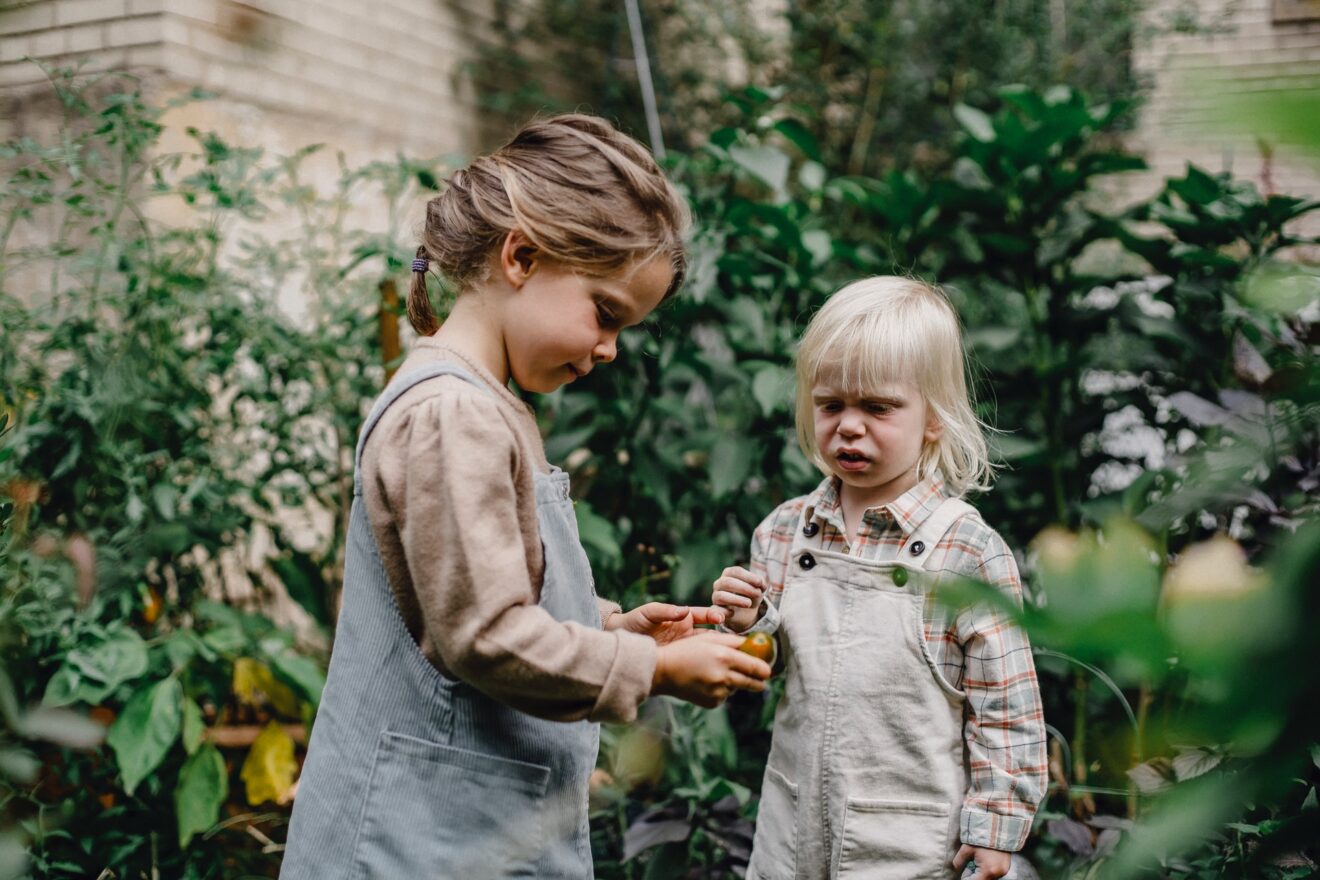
[(759, 645)]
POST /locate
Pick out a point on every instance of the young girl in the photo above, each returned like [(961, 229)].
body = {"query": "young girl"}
[(472, 658), (909, 739)]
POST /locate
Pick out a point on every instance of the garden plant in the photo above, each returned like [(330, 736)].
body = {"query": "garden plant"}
[(174, 454)]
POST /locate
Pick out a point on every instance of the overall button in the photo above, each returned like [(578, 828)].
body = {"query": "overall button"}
[(810, 529), (807, 561), (917, 548), (900, 577)]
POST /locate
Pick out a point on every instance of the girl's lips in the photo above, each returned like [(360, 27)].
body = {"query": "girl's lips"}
[(852, 461)]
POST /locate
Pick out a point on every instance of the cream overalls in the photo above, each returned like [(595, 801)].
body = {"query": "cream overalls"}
[(867, 768)]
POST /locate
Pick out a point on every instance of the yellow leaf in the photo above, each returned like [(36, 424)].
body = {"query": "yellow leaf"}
[(270, 768), (256, 685)]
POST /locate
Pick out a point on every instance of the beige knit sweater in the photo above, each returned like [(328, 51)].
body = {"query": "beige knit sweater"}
[(448, 483)]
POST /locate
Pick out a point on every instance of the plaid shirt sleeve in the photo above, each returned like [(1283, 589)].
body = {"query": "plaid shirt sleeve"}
[(1005, 727), (771, 543)]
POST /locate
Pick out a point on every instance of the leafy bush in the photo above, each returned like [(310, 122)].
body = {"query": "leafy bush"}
[(171, 442), (164, 426)]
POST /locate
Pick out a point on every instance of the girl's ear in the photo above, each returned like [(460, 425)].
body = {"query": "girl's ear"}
[(518, 258), (934, 427)]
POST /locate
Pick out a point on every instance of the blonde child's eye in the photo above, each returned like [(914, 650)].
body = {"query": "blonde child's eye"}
[(878, 408)]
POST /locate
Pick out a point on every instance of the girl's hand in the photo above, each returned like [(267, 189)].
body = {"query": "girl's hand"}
[(663, 622), (706, 668), (739, 591), (991, 864)]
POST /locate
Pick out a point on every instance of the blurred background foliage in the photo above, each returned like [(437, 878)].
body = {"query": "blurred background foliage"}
[(174, 454)]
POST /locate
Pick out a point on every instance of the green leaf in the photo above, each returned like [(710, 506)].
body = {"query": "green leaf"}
[(301, 673), (772, 388), (120, 657), (699, 562), (143, 733), (765, 163), (202, 789), (193, 726), (598, 533), (730, 463), (975, 122)]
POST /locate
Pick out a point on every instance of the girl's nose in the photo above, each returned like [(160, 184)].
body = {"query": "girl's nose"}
[(850, 425), (605, 351)]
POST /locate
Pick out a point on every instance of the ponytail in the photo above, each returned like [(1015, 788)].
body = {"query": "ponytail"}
[(420, 313)]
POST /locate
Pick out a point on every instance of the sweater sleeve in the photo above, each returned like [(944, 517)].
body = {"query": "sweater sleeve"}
[(457, 514)]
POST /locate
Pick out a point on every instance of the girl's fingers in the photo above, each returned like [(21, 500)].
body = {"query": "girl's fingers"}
[(723, 597), (746, 683), (707, 614), (746, 664), (741, 587), (658, 612), (737, 571)]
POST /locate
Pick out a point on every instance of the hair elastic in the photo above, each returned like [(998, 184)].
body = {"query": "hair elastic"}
[(419, 265)]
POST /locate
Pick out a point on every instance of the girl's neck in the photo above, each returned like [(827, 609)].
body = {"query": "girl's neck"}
[(472, 331), (854, 501)]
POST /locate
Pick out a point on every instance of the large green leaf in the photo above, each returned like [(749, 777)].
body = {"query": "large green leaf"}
[(730, 463), (143, 733), (201, 791), (768, 164), (121, 657)]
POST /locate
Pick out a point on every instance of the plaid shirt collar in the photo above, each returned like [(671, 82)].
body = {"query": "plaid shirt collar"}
[(908, 510)]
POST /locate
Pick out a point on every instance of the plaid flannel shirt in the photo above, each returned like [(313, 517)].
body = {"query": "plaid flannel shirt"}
[(979, 650)]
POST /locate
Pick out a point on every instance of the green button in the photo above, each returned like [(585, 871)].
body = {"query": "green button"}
[(900, 577)]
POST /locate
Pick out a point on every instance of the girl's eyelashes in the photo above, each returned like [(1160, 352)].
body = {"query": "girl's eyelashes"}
[(605, 317)]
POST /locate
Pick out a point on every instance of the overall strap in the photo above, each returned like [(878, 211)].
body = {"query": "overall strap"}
[(920, 543), (396, 389)]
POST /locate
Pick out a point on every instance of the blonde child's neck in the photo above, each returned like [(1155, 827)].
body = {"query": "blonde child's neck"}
[(854, 501)]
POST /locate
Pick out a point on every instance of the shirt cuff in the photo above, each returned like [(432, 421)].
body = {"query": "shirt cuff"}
[(993, 830), (630, 677), (769, 619), (607, 608), (768, 622)]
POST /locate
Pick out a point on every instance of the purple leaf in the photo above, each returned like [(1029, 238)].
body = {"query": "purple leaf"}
[(646, 833), (1072, 834)]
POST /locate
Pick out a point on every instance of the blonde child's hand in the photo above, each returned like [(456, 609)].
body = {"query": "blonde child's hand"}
[(991, 864), (705, 668), (664, 622), (739, 591)]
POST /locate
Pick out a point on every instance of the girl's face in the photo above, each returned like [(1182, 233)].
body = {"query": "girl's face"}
[(872, 441), (560, 324)]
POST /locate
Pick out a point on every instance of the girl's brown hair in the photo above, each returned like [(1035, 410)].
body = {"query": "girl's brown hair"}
[(583, 193)]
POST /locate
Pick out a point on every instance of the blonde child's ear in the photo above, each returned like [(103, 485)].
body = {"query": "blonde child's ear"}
[(934, 427), (518, 258)]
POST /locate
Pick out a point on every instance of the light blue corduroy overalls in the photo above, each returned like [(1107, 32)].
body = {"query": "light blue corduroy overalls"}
[(413, 776)]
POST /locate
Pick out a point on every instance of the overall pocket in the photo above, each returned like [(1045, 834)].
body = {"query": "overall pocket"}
[(895, 840), (774, 846), (434, 811)]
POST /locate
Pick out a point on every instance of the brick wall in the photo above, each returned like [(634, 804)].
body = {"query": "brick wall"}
[(373, 78), (1238, 48)]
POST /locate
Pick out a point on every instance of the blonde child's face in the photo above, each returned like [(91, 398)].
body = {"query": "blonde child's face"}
[(561, 323), (873, 441)]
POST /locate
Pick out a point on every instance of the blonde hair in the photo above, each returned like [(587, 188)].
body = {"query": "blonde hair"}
[(584, 194), (887, 329)]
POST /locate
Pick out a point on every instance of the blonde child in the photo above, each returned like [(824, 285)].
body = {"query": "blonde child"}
[(909, 739), (472, 658)]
